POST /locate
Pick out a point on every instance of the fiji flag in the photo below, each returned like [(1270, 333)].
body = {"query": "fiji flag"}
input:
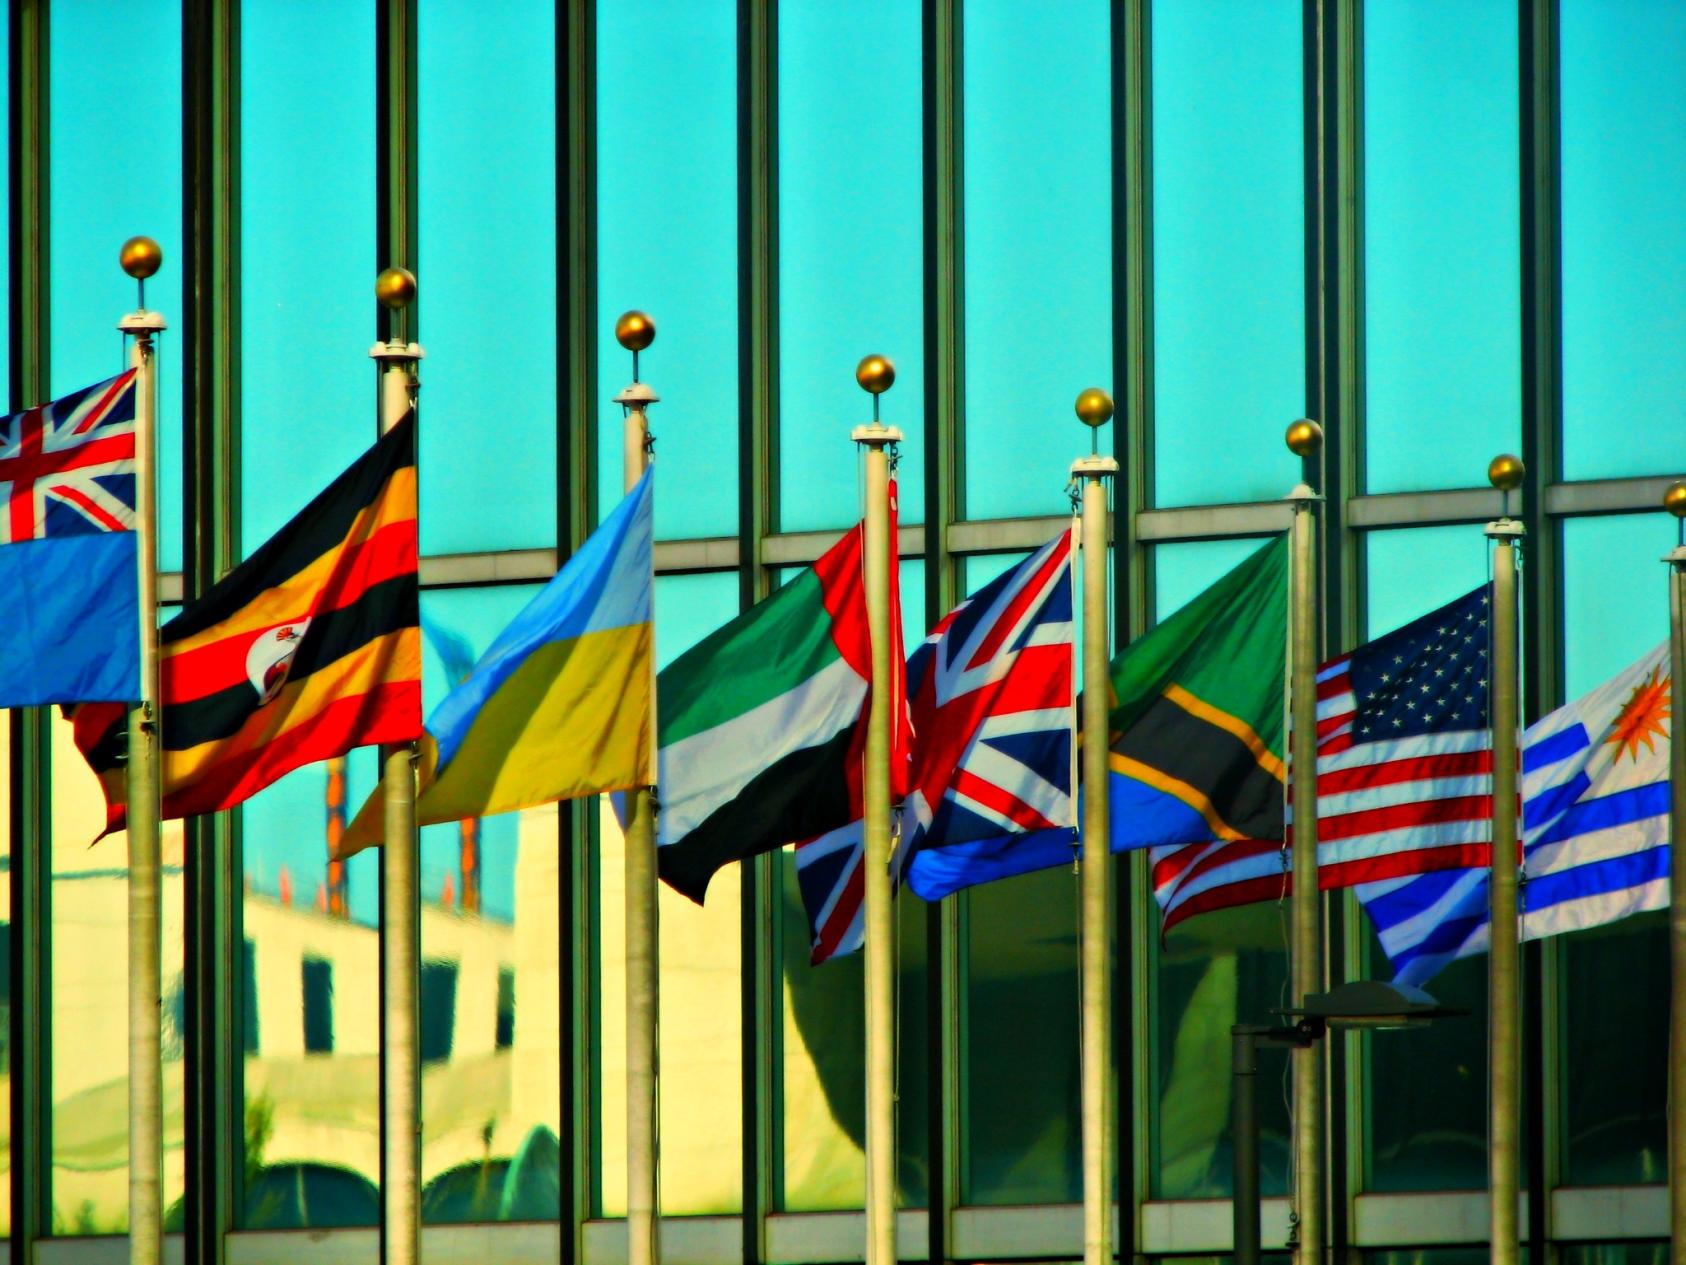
[(1595, 828), (67, 550), (990, 692)]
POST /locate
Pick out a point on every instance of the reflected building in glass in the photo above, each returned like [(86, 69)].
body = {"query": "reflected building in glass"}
[(1441, 230)]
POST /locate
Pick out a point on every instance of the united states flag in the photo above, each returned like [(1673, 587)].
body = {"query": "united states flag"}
[(990, 692), (1404, 771), (68, 468)]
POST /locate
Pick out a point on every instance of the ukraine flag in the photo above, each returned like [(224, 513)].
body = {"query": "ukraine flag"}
[(560, 705)]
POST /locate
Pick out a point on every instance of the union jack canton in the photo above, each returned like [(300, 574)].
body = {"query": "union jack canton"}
[(990, 692), (68, 468)]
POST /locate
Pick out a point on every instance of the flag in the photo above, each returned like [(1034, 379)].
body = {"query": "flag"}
[(559, 705), (307, 649), (990, 694), (763, 722), (68, 561), (1404, 769), (1595, 830)]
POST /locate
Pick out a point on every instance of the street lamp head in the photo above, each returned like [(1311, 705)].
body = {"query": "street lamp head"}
[(1372, 1004)]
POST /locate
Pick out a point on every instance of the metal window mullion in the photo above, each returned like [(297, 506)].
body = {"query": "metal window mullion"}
[(30, 824), (1542, 596), (1132, 440), (942, 175), (758, 516), (213, 1071), (576, 512)]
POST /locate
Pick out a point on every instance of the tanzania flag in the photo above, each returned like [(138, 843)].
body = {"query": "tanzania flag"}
[(762, 725), (307, 649)]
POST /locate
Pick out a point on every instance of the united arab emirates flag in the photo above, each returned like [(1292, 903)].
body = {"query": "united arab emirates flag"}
[(1197, 743), (762, 725)]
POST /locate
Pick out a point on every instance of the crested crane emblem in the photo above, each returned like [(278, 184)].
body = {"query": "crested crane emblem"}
[(271, 658)]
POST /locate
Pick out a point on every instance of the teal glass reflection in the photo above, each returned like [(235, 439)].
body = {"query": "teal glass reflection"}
[(491, 1055), (488, 261), (1038, 230), (1442, 255), (1623, 112), (310, 1002), (307, 123), (1210, 972), (1228, 248), (115, 171), (667, 226), (1426, 1090), (1614, 1092), (851, 272)]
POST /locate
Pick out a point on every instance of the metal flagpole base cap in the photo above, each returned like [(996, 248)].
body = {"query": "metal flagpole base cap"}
[(876, 434), (142, 321), (396, 351), (1506, 529), (638, 393), (1094, 466)]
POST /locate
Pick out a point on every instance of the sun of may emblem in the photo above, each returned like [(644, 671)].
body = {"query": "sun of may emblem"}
[(1643, 716)]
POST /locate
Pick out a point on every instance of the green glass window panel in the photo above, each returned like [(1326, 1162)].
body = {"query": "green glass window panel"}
[(701, 1053), (487, 196), (851, 272), (6, 999), (1023, 1122), (312, 1072), (822, 1081), (1425, 1124), (1210, 972), (115, 171), (667, 242), (1442, 259), (307, 124), (1614, 1092), (1614, 1253), (88, 967), (1228, 248), (1623, 112), (492, 1114), (1038, 231)]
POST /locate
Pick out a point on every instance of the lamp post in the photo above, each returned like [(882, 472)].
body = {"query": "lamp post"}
[(1361, 1004)]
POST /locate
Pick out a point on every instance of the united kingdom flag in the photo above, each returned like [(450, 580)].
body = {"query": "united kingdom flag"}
[(992, 705), (68, 468)]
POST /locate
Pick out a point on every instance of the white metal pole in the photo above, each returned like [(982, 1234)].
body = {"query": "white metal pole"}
[(400, 884), (141, 258), (1674, 500), (876, 374), (1095, 879), (1305, 439), (636, 331), (1504, 967)]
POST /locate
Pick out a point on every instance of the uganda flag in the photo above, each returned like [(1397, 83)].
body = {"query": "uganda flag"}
[(310, 647)]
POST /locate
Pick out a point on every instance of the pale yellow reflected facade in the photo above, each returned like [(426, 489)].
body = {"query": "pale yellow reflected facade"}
[(701, 1039)]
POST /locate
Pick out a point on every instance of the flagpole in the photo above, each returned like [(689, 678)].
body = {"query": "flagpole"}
[(1094, 409), (140, 258), (395, 288), (1504, 978), (1305, 440), (1674, 500), (876, 375), (635, 331)]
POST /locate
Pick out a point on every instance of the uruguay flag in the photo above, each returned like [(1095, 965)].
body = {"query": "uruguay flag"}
[(67, 550), (1595, 828)]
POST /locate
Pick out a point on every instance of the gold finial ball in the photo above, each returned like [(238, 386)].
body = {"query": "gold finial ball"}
[(635, 330), (1505, 472), (1674, 500), (396, 288), (1094, 407), (141, 257), (875, 374), (1304, 437)]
